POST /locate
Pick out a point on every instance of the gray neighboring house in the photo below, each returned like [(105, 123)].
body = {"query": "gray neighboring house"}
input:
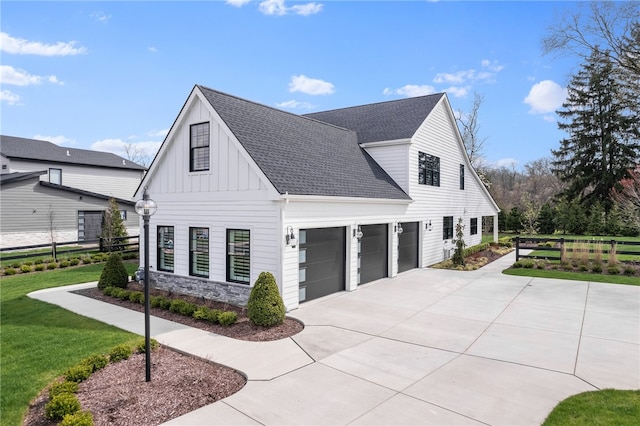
[(53, 193)]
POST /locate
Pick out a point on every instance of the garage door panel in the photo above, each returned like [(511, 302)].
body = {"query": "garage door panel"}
[(373, 252), (322, 265), (408, 246)]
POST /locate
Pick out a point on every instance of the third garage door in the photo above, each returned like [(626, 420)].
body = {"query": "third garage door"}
[(373, 252), (408, 246)]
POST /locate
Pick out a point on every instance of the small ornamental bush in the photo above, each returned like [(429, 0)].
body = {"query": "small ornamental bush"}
[(141, 346), (25, 269), (120, 353), (114, 273), (39, 267), (61, 405), (96, 362), (528, 264), (206, 314), (87, 260), (9, 271), (16, 265), (75, 261), (183, 307), (628, 270), (38, 261), (52, 265), (121, 293), (78, 373), (79, 418), (160, 302), (583, 268), (613, 270), (227, 318), (64, 264), (62, 387), (136, 297), (596, 268), (265, 306)]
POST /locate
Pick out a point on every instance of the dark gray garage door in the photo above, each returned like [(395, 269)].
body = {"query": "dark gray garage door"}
[(322, 259), (373, 252), (408, 247), (89, 225)]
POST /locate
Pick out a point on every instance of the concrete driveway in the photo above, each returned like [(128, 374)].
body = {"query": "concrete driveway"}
[(427, 347)]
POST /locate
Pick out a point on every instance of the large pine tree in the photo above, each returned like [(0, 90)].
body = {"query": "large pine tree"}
[(603, 141)]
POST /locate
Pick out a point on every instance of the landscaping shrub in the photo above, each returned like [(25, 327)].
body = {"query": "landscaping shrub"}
[(183, 307), (628, 270), (25, 269), (136, 297), (114, 273), (79, 418), (121, 293), (75, 261), (16, 265), (87, 260), (517, 264), (613, 270), (227, 318), (62, 387), (596, 268), (528, 264), (78, 373), (38, 261), (52, 265), (583, 268), (141, 346), (61, 405), (206, 314), (120, 353), (39, 267), (9, 271), (265, 306), (95, 362), (159, 302), (64, 264)]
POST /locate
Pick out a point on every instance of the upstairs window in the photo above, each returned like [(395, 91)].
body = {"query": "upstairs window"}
[(199, 252), (461, 176), (55, 176), (474, 226), (238, 256), (447, 227), (199, 147), (428, 169)]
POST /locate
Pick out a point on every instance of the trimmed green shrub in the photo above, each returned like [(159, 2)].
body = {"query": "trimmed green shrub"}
[(16, 265), (38, 261), (227, 318), (136, 297), (596, 268), (265, 306), (87, 260), (52, 265), (114, 273), (121, 293), (206, 314), (61, 405), (64, 264), (9, 271), (613, 270), (39, 267), (79, 418), (25, 269), (120, 353), (628, 270), (183, 307), (95, 362), (62, 387), (141, 346), (528, 264), (160, 302), (75, 261), (78, 373)]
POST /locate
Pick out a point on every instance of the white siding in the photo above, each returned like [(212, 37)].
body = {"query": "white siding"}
[(394, 159), (119, 183)]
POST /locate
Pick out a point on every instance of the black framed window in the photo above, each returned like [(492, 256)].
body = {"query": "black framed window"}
[(473, 229), (447, 227), (55, 176), (199, 252), (165, 248), (461, 176), (428, 169), (238, 256), (199, 147)]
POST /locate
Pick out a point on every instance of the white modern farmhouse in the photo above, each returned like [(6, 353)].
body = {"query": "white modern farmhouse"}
[(324, 201)]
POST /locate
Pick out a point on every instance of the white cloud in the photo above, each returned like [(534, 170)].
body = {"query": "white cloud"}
[(58, 140), (505, 162), (157, 133), (118, 147), (16, 77), (459, 77), (487, 74), (152, 49), (458, 92), (491, 65), (237, 3), (100, 16), (545, 97), (293, 104), (310, 86), (24, 47), (279, 8), (9, 97), (411, 90)]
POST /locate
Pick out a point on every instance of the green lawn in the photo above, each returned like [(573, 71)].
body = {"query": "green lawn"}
[(576, 276), (605, 407), (40, 341)]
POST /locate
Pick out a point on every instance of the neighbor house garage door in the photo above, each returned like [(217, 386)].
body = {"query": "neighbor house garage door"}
[(89, 225), (373, 253), (408, 246), (322, 260)]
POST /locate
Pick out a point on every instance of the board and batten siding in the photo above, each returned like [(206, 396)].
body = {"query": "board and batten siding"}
[(118, 183), (438, 136), (230, 195), (31, 213)]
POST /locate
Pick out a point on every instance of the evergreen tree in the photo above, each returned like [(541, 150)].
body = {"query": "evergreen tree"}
[(546, 219), (596, 220), (603, 137), (112, 227), (514, 220)]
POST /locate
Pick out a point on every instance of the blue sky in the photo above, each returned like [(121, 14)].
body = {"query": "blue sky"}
[(99, 75)]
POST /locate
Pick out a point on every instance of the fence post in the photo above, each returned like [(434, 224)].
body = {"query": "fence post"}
[(54, 251), (517, 248), (562, 252)]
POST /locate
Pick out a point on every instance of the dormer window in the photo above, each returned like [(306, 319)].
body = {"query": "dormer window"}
[(55, 176), (199, 147), (428, 169)]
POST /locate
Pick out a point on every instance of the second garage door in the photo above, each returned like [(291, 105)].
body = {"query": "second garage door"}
[(408, 246), (322, 260), (373, 253)]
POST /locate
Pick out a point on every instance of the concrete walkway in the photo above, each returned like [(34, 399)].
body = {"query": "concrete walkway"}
[(427, 347)]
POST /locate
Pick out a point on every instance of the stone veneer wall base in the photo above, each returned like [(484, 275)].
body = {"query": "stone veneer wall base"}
[(234, 294)]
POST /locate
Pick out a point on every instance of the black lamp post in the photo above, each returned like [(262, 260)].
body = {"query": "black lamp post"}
[(146, 208)]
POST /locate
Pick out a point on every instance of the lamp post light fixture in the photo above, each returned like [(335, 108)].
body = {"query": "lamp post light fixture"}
[(146, 208)]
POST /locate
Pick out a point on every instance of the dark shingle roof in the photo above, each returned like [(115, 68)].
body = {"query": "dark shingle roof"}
[(18, 176), (37, 150), (383, 121), (302, 156), (87, 193)]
